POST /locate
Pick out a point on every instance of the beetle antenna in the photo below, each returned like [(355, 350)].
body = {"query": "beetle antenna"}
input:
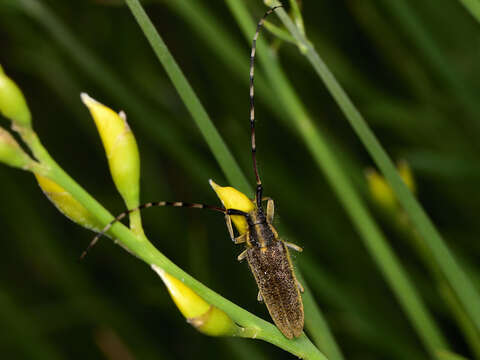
[(259, 190), (145, 206), (156, 204)]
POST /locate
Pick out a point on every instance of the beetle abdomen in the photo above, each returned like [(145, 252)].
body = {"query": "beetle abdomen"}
[(273, 272)]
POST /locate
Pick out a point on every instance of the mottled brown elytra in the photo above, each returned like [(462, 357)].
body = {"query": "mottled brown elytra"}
[(266, 253)]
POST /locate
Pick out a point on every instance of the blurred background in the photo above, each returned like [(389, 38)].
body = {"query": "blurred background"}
[(412, 69)]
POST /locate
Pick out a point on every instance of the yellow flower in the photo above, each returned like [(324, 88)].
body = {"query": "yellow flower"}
[(234, 199), (66, 204), (11, 153), (120, 147), (406, 175), (381, 191), (12, 102), (205, 317)]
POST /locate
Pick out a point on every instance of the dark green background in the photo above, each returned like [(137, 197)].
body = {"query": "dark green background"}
[(411, 67)]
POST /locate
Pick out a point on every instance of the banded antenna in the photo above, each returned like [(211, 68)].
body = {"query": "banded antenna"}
[(259, 190)]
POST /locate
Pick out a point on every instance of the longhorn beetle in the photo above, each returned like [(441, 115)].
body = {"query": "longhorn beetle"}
[(266, 253)]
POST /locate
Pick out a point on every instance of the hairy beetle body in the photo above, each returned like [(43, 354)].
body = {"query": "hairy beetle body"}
[(273, 271), (267, 255)]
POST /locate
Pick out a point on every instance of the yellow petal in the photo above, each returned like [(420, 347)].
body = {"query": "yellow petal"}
[(120, 147), (234, 199), (205, 317), (66, 204), (380, 191), (406, 175)]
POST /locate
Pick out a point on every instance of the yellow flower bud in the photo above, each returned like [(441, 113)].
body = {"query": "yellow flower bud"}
[(11, 153), (380, 191), (205, 317), (120, 147), (12, 103), (234, 199), (406, 175), (66, 204)]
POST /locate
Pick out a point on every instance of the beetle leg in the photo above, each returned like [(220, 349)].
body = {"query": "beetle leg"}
[(237, 240), (293, 246), (228, 221), (270, 207), (270, 210), (300, 287), (264, 198), (242, 256), (240, 239), (259, 297)]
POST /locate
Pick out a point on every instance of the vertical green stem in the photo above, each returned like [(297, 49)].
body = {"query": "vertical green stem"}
[(143, 249), (316, 324), (181, 83), (473, 6), (196, 109), (460, 283), (354, 206)]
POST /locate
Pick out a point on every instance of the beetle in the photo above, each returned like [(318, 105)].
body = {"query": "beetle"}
[(266, 253)]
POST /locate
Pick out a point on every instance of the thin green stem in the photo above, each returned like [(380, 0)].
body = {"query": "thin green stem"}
[(39, 241), (473, 6), (221, 44), (146, 117), (279, 32), (136, 223), (143, 249), (458, 280), (472, 336), (367, 323), (297, 15), (354, 206), (447, 355), (191, 100), (317, 326), (193, 104), (431, 51)]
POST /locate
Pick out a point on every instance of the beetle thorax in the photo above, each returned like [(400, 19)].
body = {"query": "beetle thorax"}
[(260, 233)]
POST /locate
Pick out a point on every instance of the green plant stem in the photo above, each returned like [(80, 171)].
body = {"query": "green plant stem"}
[(431, 51), (279, 32), (193, 104), (136, 223), (473, 6), (146, 117), (317, 325), (447, 355), (188, 95), (39, 242), (458, 280), (297, 15), (465, 324), (143, 249), (225, 48), (365, 321), (472, 337), (351, 201), (222, 45)]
